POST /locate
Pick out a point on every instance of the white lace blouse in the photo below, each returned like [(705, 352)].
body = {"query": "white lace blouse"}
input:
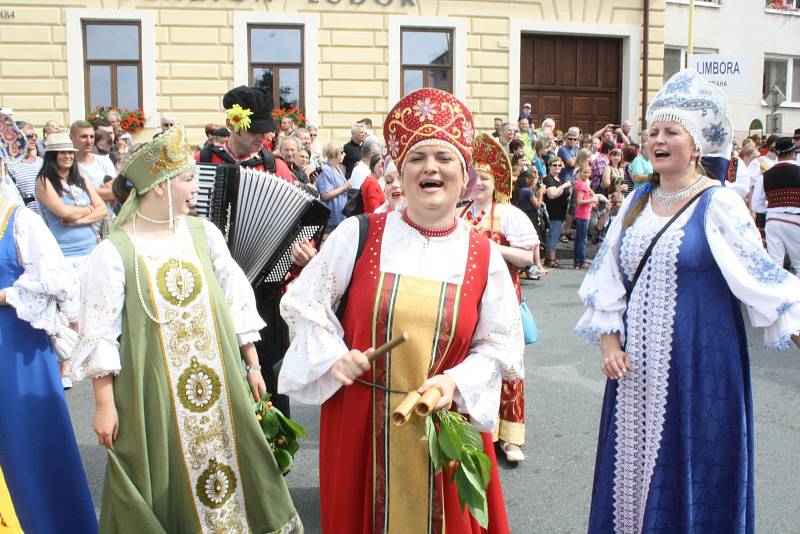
[(317, 335), (103, 297), (45, 294), (771, 295)]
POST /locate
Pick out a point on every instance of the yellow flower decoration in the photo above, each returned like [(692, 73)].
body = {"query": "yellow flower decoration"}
[(239, 118)]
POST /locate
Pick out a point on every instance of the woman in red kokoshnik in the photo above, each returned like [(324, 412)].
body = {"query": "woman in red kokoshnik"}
[(424, 272), (491, 213)]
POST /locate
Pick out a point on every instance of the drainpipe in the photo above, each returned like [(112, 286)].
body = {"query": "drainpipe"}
[(645, 60)]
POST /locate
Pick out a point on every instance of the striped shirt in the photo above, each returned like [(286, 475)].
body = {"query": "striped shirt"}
[(24, 174)]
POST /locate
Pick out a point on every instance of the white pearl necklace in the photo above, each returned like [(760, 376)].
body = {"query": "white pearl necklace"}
[(152, 221), (180, 297), (147, 311)]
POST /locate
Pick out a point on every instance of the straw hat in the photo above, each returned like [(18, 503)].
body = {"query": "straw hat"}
[(59, 142)]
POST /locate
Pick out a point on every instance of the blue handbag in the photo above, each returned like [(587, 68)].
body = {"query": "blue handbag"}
[(529, 328)]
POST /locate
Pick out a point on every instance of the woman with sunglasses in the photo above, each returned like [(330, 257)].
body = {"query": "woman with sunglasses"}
[(556, 198)]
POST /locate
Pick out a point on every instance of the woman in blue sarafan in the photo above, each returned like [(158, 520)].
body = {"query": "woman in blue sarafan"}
[(43, 487), (675, 447)]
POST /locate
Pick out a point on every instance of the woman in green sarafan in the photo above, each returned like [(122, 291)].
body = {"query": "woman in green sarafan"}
[(185, 450)]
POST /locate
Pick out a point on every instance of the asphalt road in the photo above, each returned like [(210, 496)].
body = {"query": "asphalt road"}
[(550, 491)]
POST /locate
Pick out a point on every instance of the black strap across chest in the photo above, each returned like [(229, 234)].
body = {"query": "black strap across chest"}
[(653, 242)]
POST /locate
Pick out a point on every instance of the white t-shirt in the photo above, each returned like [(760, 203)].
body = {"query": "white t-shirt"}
[(360, 172), (98, 169)]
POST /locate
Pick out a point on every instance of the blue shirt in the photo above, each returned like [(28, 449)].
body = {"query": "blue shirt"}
[(638, 167), (566, 154), (329, 179), (74, 240)]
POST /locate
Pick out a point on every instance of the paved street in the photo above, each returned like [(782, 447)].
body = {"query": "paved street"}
[(550, 492)]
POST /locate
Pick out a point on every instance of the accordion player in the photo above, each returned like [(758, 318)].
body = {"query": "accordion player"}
[(260, 215)]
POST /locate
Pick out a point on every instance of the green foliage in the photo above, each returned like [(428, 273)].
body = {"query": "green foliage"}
[(283, 434), (457, 447)]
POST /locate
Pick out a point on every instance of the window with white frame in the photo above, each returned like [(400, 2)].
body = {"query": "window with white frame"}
[(783, 73), (275, 62), (112, 64), (111, 61), (426, 59), (675, 59)]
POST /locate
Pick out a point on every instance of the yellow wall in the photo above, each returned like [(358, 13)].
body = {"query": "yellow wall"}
[(194, 52)]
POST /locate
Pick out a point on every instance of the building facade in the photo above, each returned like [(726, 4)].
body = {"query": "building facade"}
[(763, 34), (579, 61)]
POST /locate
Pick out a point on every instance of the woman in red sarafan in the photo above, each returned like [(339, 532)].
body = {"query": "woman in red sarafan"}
[(491, 213), (421, 271)]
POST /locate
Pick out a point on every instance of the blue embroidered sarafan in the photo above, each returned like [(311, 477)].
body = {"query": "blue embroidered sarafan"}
[(675, 447)]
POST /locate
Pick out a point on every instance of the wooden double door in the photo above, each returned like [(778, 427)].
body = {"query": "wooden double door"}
[(575, 80)]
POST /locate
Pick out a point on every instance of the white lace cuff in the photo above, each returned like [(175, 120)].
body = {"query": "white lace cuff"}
[(778, 335), (38, 309), (477, 391), (93, 358), (248, 337), (595, 322)]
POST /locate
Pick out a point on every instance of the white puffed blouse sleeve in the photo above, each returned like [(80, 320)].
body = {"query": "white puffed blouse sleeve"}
[(235, 286), (770, 293), (518, 229), (96, 353), (496, 349), (46, 289), (308, 309), (602, 290)]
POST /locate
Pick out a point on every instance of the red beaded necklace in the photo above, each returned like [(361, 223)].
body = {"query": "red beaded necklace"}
[(427, 232)]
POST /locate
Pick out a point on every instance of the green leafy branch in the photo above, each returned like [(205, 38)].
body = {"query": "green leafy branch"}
[(457, 446), (283, 434)]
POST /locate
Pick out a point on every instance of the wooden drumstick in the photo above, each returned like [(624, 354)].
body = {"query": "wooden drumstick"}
[(428, 401), (386, 347), (402, 413)]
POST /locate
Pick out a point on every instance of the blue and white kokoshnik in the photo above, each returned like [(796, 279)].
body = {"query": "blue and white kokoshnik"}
[(699, 107)]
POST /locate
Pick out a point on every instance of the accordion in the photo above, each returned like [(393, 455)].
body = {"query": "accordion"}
[(260, 215)]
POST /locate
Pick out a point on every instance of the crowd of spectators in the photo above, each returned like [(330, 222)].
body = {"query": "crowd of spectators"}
[(570, 183)]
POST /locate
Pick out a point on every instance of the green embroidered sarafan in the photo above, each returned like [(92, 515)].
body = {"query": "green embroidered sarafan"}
[(198, 387), (216, 484), (178, 282)]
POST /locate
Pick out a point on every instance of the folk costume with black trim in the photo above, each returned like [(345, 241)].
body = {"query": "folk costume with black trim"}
[(43, 487), (781, 188), (454, 297), (506, 225), (190, 455)]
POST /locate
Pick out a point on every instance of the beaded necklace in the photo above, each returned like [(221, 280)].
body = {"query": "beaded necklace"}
[(669, 199), (430, 232), (180, 274)]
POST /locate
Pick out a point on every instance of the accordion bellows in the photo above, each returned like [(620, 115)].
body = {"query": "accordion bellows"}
[(260, 215)]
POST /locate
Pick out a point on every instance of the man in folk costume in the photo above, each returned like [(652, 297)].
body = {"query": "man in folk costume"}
[(491, 213), (249, 119), (248, 113), (163, 338), (782, 189), (421, 271)]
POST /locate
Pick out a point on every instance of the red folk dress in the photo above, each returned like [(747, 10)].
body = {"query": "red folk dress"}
[(508, 226), (376, 477)]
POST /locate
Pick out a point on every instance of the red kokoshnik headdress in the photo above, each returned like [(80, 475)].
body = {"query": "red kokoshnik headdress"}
[(432, 117), (489, 157)]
